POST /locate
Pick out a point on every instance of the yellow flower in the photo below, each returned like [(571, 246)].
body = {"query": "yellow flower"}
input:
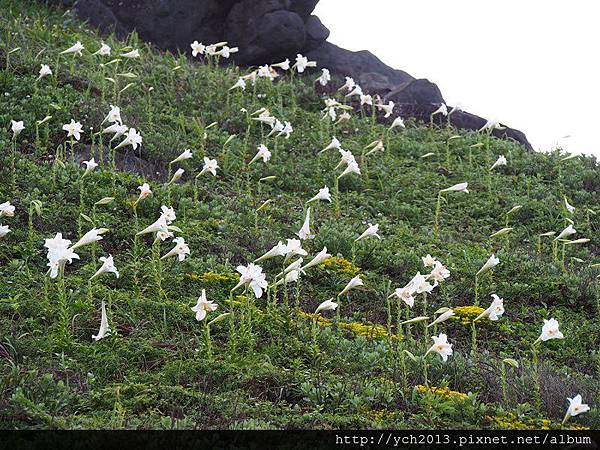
[(341, 265), (444, 392), (466, 314), (512, 422), (215, 277)]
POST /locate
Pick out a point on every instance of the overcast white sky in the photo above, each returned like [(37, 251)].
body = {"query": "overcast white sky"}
[(532, 64)]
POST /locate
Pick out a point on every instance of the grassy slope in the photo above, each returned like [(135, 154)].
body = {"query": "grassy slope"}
[(154, 372)]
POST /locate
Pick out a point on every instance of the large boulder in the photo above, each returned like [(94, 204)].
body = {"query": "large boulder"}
[(268, 31)]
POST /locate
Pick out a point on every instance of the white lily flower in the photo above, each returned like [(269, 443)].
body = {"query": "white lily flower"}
[(145, 191), (168, 214), (89, 166), (44, 71), (7, 210), (16, 127), (439, 272), (348, 85), (117, 129), (501, 161), (296, 265), (304, 232), (352, 284), (291, 276), (197, 48), (187, 154), (226, 51), (335, 144), (550, 331), (441, 346), (240, 83), (132, 54), (442, 317), (318, 259), (249, 77), (181, 249), (388, 109), (302, 63), (323, 194), (372, 230), (489, 264), (327, 305), (344, 116), (266, 117), (114, 115), (357, 91), (397, 123), (429, 261), (495, 310), (210, 165), (203, 306), (132, 138), (160, 225), (104, 329), (74, 49), (164, 234), (420, 285), (4, 230), (492, 125), (59, 254), (277, 128), (324, 78), (265, 72), (378, 147), (94, 235), (443, 110), (576, 407), (284, 65), (287, 130), (278, 250), (366, 100), (73, 129), (460, 187), (351, 168), (569, 207), (568, 231), (263, 152), (456, 108), (253, 277), (108, 266), (104, 50), (405, 294), (294, 247)]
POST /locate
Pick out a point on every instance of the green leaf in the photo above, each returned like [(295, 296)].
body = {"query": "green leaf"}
[(410, 355), (104, 201), (511, 362), (219, 318), (87, 218), (415, 320)]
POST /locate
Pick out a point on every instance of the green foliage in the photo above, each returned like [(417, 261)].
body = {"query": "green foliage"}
[(272, 363)]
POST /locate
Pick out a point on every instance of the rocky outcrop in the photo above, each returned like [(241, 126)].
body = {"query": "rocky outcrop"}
[(268, 31)]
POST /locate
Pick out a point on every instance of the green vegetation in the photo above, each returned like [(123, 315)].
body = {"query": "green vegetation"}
[(273, 364)]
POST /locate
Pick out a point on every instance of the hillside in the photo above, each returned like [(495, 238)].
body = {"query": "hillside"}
[(271, 362)]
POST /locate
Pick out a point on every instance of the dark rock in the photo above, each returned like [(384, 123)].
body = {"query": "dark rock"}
[(252, 26), (316, 33), (268, 31), (304, 8), (461, 119), (125, 161), (363, 66), (420, 92)]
